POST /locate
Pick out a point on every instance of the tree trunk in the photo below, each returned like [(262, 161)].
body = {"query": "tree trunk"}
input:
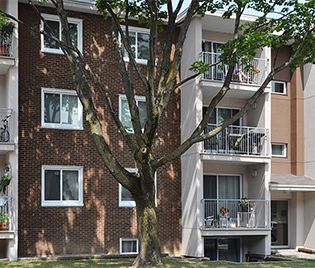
[(150, 250)]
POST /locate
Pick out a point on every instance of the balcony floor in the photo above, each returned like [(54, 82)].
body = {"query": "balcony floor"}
[(6, 147), (234, 159), (205, 231), (5, 64), (7, 234)]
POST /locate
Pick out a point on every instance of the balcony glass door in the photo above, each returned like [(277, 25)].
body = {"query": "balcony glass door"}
[(279, 223), (221, 192), (212, 52)]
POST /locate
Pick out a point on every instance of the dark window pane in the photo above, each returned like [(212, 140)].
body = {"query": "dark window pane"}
[(48, 42), (69, 113), (211, 249), (52, 108), (52, 185), (132, 40), (129, 246), (277, 87), (73, 29), (70, 185), (229, 249), (143, 46), (126, 195), (209, 187)]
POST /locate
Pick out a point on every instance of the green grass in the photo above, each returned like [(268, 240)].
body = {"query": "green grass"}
[(169, 263)]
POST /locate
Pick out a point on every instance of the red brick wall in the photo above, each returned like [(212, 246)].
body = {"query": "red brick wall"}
[(97, 226)]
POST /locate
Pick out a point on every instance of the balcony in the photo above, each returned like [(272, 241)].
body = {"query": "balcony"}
[(238, 140), (6, 55), (6, 131), (6, 224), (255, 75), (231, 215)]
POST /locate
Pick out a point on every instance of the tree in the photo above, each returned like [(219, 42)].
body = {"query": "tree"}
[(291, 23)]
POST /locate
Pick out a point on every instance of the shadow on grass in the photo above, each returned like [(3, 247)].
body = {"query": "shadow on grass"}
[(169, 263)]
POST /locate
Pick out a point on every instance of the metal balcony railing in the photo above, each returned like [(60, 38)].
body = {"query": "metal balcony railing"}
[(238, 140), (6, 223), (6, 126), (236, 213), (255, 75), (6, 46)]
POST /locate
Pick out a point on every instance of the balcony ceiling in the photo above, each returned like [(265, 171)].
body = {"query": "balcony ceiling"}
[(215, 22)]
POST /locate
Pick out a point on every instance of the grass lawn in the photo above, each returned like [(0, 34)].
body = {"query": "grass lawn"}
[(169, 263)]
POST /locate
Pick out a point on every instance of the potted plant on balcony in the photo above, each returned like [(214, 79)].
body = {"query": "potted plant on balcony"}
[(4, 221), (4, 183), (6, 31), (244, 205)]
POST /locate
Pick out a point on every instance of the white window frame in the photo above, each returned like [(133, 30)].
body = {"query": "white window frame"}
[(62, 203), (61, 92), (121, 240), (50, 17), (284, 87), (137, 99), (284, 155), (135, 30), (132, 204)]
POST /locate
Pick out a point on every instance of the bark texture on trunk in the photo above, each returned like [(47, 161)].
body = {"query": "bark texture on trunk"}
[(150, 251)]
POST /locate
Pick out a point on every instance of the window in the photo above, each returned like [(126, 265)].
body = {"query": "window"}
[(61, 109), (279, 149), (278, 87), (124, 112), (221, 187), (62, 186), (128, 246), (125, 197), (139, 42), (49, 45), (227, 249)]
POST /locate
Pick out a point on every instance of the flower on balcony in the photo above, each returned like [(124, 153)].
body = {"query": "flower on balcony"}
[(224, 212)]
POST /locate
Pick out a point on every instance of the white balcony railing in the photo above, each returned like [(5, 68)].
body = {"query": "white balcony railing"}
[(236, 213), (255, 75), (6, 126), (6, 223), (238, 140)]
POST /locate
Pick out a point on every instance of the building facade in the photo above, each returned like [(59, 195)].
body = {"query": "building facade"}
[(245, 191), (69, 203), (249, 189), (9, 135)]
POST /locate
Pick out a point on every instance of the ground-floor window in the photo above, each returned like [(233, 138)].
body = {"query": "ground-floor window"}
[(227, 249), (128, 246)]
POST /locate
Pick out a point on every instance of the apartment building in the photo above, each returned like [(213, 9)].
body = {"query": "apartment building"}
[(245, 191), (9, 135), (249, 189), (68, 201), (292, 180)]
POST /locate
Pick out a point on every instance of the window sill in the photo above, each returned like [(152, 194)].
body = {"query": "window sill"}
[(61, 127), (62, 204)]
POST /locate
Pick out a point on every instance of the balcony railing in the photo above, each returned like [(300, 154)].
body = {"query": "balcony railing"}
[(238, 140), (236, 213), (5, 46), (255, 75), (6, 126), (6, 223)]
